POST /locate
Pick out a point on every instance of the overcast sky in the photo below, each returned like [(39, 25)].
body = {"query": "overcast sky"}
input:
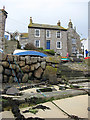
[(46, 12)]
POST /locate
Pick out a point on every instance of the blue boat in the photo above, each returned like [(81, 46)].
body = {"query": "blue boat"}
[(65, 59), (31, 52)]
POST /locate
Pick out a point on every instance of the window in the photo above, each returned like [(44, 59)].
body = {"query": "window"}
[(48, 34), (74, 49), (37, 43), (58, 34), (59, 45), (37, 33), (73, 41)]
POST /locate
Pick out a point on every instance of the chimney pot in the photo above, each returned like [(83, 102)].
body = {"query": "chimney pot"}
[(30, 20), (58, 23), (3, 7)]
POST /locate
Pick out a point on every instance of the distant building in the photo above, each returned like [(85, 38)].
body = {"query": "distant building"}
[(3, 16), (23, 39), (55, 37), (73, 40), (84, 45)]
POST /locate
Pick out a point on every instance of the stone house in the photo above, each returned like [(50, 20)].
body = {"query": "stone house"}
[(73, 40), (48, 36), (23, 39), (55, 37), (3, 16)]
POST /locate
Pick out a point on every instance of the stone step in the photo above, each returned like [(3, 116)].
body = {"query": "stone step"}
[(79, 80), (73, 78)]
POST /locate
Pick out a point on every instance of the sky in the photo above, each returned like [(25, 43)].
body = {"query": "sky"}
[(46, 12)]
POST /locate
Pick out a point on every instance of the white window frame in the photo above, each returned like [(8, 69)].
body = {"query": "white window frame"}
[(60, 45), (57, 34), (35, 43), (73, 41), (49, 33), (74, 51), (35, 32)]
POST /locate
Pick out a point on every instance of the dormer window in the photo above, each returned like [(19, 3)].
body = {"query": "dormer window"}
[(58, 34), (37, 33)]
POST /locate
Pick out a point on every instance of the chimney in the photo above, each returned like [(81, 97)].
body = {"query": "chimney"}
[(58, 23), (3, 7), (30, 20), (70, 25)]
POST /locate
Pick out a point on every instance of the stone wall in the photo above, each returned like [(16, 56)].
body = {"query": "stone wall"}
[(10, 46), (25, 67)]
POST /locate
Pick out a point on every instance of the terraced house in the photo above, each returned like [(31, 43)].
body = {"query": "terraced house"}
[(54, 37)]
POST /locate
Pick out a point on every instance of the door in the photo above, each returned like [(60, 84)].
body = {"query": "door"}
[(48, 44)]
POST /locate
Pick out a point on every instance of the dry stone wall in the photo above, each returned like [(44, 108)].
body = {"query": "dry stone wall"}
[(23, 68), (26, 68)]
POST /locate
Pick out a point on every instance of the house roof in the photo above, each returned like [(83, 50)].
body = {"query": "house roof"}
[(46, 26), (24, 35)]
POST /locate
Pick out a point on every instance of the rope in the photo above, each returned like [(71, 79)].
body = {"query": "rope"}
[(23, 73), (18, 67), (13, 71)]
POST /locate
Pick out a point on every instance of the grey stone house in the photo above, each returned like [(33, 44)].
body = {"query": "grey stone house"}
[(55, 37), (48, 36), (23, 39), (3, 16), (73, 40)]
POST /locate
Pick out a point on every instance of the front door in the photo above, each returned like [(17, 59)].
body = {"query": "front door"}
[(48, 44)]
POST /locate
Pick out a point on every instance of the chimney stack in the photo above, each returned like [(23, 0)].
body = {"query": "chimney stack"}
[(58, 23), (3, 7), (30, 20), (70, 25)]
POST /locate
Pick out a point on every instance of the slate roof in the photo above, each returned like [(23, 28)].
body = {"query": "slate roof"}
[(24, 35), (46, 26)]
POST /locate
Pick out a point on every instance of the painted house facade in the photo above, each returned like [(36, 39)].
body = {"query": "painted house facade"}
[(54, 37)]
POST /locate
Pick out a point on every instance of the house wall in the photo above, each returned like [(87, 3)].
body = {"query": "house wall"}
[(25, 67), (10, 46), (71, 33), (53, 40), (2, 29), (23, 42)]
